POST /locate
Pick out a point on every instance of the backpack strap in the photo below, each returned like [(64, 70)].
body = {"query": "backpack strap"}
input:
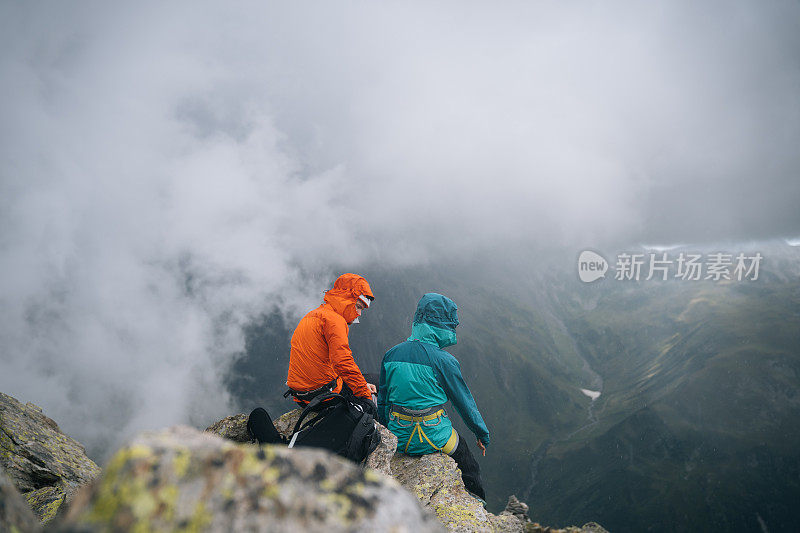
[(314, 406), (355, 444)]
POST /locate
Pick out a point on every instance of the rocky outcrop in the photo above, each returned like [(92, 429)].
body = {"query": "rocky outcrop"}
[(235, 428), (15, 514), (232, 427), (436, 481), (517, 508), (43, 463), (183, 479)]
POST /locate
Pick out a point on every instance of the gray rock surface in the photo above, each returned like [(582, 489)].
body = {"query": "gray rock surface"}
[(181, 479), (184, 479), (44, 464), (231, 427), (516, 507), (436, 481), (15, 513)]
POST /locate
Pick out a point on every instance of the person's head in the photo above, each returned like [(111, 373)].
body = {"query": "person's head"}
[(362, 302), (350, 295), (435, 320)]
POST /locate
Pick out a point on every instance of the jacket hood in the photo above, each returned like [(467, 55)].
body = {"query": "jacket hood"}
[(435, 320), (344, 294)]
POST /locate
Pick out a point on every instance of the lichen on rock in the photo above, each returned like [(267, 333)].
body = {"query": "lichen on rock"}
[(181, 479), (15, 513), (44, 464), (436, 481), (232, 428), (46, 501), (184, 480)]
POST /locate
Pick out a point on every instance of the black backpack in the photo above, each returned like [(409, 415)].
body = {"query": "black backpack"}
[(339, 425)]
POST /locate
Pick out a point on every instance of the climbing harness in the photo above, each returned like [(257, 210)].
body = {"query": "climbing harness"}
[(424, 417), (307, 396)]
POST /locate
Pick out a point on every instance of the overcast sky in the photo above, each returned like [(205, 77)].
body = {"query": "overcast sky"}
[(168, 170)]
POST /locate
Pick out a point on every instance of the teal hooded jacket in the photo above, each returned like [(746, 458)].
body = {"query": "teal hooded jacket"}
[(419, 374)]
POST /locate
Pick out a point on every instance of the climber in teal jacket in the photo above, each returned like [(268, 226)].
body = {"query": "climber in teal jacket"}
[(417, 378)]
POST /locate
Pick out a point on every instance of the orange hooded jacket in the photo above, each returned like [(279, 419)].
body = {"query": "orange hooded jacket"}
[(320, 349)]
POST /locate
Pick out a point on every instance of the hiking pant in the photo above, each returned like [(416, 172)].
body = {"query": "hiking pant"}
[(470, 470)]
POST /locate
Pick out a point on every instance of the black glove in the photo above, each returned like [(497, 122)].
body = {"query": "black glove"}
[(366, 405)]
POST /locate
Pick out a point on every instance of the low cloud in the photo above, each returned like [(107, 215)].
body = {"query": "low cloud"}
[(170, 171)]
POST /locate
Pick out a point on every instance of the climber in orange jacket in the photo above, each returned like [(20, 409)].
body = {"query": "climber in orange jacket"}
[(320, 359)]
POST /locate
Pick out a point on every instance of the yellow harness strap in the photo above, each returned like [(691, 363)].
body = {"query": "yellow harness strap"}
[(419, 419), (448, 447)]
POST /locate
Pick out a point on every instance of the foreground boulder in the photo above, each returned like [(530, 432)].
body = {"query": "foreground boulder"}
[(235, 428), (43, 463), (15, 513), (183, 479)]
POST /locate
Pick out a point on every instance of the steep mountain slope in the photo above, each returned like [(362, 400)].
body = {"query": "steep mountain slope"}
[(697, 421), (695, 427)]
